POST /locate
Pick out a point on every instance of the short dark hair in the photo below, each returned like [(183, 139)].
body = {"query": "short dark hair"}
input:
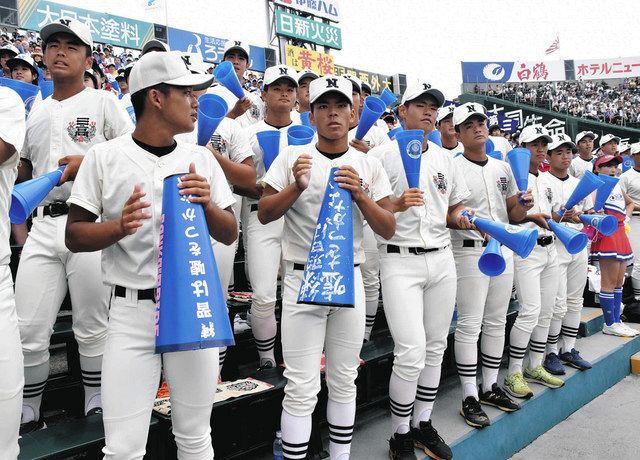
[(323, 98), (139, 98)]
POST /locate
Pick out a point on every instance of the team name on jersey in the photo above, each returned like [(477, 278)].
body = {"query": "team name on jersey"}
[(549, 194), (81, 130), (218, 143), (503, 185), (441, 183)]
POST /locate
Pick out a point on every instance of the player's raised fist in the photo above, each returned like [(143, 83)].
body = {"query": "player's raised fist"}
[(302, 171)]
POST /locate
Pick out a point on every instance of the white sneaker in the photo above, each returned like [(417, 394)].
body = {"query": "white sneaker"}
[(240, 325), (615, 329), (633, 332)]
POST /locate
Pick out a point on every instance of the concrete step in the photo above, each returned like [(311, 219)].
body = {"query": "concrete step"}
[(635, 364), (591, 321)]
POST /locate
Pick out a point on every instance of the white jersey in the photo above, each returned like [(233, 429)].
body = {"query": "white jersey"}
[(615, 202), (300, 221), (562, 190), (544, 200), (443, 186), (630, 184), (501, 144), (455, 151), (12, 132), (251, 116), (374, 137), (105, 182), (71, 127), (126, 103), (579, 166), (490, 185)]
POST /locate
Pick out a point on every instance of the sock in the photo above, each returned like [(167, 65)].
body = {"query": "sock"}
[(91, 369), (554, 335), (570, 324), (635, 284), (296, 432), (617, 304), (491, 349), (466, 362), (402, 394), (606, 303), (537, 346), (518, 342), (222, 354), (372, 310), (340, 418), (35, 379), (426, 394), (264, 332)]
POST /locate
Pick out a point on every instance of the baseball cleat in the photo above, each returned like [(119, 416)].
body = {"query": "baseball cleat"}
[(541, 376), (473, 413), (553, 365), (516, 386), (427, 438), (572, 358), (401, 447), (496, 397)]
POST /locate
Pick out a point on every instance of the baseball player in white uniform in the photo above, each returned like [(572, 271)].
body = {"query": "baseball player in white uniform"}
[(305, 77), (482, 301), (584, 160), (12, 132), (264, 242), (60, 131), (121, 182), (444, 124), (294, 188), (609, 145), (630, 184), (418, 275), (536, 280)]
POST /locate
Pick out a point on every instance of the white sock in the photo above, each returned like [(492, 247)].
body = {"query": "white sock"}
[(35, 379), (537, 346), (91, 369), (570, 326), (467, 363), (222, 354), (491, 349), (264, 332), (341, 418), (402, 394), (553, 336), (635, 284), (370, 319), (426, 394), (296, 432)]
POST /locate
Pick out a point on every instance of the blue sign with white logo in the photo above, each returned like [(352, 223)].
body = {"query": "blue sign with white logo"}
[(486, 72)]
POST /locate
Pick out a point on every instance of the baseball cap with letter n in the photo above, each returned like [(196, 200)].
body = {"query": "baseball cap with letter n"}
[(69, 26), (561, 139), (582, 134), (444, 112), (277, 72), (330, 84), (236, 45), (465, 111), (171, 68), (534, 132), (418, 89), (608, 138)]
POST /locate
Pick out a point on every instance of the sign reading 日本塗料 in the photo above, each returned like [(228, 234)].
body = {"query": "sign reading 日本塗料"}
[(327, 9), (513, 71), (307, 30), (105, 28)]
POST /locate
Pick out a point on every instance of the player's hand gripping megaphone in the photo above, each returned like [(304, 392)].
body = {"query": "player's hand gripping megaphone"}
[(520, 240)]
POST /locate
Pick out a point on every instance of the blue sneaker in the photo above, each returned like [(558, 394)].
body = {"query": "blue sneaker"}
[(553, 365), (573, 359)]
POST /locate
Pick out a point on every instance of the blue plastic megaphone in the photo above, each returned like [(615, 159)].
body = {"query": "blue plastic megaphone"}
[(392, 134), (191, 311), (300, 135), (46, 88), (211, 110), (387, 97), (26, 91), (304, 119), (27, 195), (434, 136), (495, 154), (492, 262), (520, 240), (410, 145), (519, 160), (115, 85), (573, 240), (605, 224), (588, 183), (226, 75), (627, 163), (269, 142), (328, 274), (489, 146), (372, 109), (602, 195)]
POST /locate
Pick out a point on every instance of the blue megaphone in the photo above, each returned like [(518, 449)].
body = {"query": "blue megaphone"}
[(588, 183), (27, 195), (269, 142), (495, 154), (605, 224), (328, 277), (46, 88), (519, 160), (520, 240), (304, 119), (434, 136), (211, 110), (226, 75), (191, 311), (492, 262), (372, 110), (627, 163), (573, 240), (410, 145), (115, 85), (489, 146), (26, 91), (300, 135), (602, 195), (388, 97), (392, 133)]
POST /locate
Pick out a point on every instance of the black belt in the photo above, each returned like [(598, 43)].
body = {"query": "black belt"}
[(472, 243), (254, 207), (545, 240), (55, 209), (393, 249), (143, 294), (297, 266)]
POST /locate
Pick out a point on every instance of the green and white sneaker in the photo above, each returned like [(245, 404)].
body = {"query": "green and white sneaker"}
[(541, 376), (516, 386)]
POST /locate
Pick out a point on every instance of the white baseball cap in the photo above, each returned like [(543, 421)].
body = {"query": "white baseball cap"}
[(153, 43), (236, 45), (9, 47), (534, 132), (582, 134), (355, 82), (277, 72), (463, 112), (23, 58), (69, 26), (170, 68), (330, 84), (623, 147), (194, 62), (561, 139), (307, 73), (444, 112), (418, 89), (608, 138), (635, 148)]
